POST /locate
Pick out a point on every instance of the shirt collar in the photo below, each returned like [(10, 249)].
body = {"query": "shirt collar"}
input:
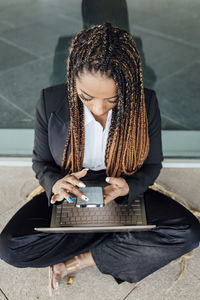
[(89, 116)]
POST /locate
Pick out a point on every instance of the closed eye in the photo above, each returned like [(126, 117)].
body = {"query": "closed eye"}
[(86, 99), (113, 101)]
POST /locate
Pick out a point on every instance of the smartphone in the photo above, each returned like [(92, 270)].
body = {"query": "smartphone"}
[(95, 195)]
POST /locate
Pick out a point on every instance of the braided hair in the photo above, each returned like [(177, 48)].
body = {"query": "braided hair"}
[(113, 52)]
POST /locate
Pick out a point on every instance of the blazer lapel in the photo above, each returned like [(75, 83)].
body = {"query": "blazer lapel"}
[(58, 126)]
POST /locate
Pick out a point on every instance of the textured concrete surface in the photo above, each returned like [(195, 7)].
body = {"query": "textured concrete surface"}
[(90, 283), (34, 38)]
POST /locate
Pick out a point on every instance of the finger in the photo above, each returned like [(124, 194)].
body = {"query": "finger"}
[(110, 193), (55, 198), (107, 199), (107, 195), (60, 196), (81, 173), (75, 181), (66, 186), (109, 189), (75, 192), (68, 197), (118, 181)]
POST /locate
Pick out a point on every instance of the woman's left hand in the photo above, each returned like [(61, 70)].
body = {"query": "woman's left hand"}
[(118, 187)]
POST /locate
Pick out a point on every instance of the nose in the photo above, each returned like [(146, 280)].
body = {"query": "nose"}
[(99, 109)]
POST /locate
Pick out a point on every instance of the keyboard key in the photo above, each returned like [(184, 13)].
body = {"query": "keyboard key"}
[(112, 213)]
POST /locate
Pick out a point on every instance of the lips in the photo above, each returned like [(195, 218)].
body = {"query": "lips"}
[(100, 115)]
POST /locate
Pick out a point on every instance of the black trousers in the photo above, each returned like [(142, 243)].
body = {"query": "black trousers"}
[(127, 256)]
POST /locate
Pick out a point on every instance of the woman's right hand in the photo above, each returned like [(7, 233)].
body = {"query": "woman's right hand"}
[(66, 185)]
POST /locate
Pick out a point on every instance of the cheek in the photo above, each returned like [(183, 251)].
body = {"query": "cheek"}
[(88, 104)]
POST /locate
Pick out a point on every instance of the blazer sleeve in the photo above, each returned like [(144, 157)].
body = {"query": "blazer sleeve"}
[(147, 174), (43, 164)]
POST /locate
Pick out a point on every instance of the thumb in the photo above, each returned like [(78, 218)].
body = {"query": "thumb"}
[(112, 180), (55, 198), (108, 179)]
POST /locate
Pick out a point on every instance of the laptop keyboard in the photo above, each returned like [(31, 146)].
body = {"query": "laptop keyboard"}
[(111, 214)]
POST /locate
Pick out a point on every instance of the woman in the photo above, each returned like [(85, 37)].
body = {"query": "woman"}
[(107, 122)]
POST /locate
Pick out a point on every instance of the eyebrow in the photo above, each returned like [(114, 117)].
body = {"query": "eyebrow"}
[(94, 97)]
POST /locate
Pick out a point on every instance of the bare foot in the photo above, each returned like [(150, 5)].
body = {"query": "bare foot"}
[(72, 265), (57, 271), (62, 269)]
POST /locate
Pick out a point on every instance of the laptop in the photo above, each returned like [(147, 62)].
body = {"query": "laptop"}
[(112, 217)]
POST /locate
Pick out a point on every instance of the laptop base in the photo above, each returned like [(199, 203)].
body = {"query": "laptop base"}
[(96, 229)]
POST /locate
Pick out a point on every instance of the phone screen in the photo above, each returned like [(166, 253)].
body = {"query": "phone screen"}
[(95, 195)]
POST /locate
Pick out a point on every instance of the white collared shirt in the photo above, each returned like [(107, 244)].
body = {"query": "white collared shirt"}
[(95, 141)]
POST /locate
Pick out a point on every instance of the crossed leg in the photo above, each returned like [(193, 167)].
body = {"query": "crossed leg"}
[(127, 256)]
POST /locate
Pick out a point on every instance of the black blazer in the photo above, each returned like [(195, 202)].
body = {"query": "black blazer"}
[(52, 119)]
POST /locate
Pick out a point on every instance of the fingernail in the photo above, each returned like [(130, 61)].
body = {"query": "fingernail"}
[(84, 198), (81, 184), (86, 169), (107, 179)]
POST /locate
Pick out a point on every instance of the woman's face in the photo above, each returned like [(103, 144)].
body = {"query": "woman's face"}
[(97, 92)]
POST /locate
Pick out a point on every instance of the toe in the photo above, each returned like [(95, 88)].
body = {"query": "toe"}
[(55, 280)]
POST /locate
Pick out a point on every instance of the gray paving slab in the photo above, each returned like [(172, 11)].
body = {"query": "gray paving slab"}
[(22, 91), (183, 26), (34, 38), (14, 185), (64, 24), (169, 123), (181, 102), (5, 215), (23, 13), (12, 116), (176, 19), (71, 7), (4, 26), (184, 182), (11, 56), (6, 3), (89, 284), (172, 62), (164, 56), (169, 33), (142, 12), (192, 264)]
